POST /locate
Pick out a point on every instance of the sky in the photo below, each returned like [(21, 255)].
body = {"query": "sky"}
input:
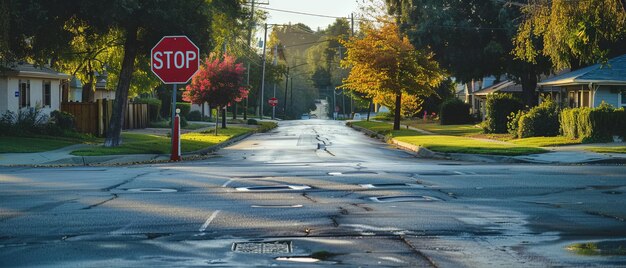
[(334, 8)]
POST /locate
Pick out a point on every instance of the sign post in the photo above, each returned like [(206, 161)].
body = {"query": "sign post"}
[(174, 60)]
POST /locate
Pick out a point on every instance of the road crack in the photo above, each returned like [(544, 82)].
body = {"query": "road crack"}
[(114, 196), (418, 252)]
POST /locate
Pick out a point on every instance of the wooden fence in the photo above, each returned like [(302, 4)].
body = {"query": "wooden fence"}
[(94, 117)]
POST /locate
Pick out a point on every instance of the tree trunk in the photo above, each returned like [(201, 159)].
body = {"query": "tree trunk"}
[(396, 116), (121, 92), (217, 118), (224, 118), (529, 84), (234, 110), (369, 109)]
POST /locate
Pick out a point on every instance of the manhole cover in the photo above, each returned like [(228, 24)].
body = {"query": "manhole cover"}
[(274, 188), (152, 190), (404, 198), (390, 185), (270, 247), (276, 206)]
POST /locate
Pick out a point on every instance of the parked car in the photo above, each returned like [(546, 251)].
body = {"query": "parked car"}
[(305, 116)]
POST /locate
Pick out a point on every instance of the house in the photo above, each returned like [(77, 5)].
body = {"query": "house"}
[(25, 85), (79, 92), (590, 86), (506, 86)]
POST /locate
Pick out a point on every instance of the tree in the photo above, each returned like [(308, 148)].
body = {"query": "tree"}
[(142, 24), (572, 33), (471, 39), (384, 62), (218, 82)]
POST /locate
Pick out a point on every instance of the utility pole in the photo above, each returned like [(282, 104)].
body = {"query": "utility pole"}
[(251, 23), (352, 28), (261, 98), (286, 86), (274, 95)]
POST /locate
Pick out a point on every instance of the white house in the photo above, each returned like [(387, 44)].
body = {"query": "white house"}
[(25, 85)]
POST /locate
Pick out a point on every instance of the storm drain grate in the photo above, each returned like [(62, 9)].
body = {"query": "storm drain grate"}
[(152, 190), (269, 247), (404, 198), (390, 185), (273, 188)]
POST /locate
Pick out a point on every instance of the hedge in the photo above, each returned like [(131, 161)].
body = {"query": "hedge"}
[(540, 121), (454, 112), (499, 107), (593, 125)]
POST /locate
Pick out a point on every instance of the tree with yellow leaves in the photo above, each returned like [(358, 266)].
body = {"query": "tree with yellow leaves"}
[(384, 62)]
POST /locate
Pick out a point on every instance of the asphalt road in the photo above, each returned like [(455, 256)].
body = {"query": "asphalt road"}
[(317, 192)]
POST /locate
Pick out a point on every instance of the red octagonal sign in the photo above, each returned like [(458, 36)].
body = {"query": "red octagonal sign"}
[(175, 59)]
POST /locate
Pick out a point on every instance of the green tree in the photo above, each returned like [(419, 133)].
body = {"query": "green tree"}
[(571, 33), (471, 39), (384, 62)]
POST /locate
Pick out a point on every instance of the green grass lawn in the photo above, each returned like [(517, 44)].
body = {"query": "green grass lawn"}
[(545, 141), (450, 144), (452, 130), (152, 144), (616, 149), (34, 144), (166, 124)]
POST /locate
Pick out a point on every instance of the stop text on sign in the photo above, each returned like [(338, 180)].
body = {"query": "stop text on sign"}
[(175, 59), (178, 59)]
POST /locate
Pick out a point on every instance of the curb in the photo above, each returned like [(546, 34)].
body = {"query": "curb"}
[(77, 161), (422, 152)]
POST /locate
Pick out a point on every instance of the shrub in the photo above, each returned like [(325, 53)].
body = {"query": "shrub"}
[(252, 122), (540, 121), (593, 125), (62, 120), (30, 120), (194, 116), (499, 107), (184, 107), (154, 106), (7, 120), (386, 116), (454, 112), (513, 122), (569, 122)]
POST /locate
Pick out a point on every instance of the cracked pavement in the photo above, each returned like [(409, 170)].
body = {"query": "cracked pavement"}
[(368, 205)]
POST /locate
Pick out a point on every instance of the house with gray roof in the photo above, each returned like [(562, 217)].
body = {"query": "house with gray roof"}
[(590, 86), (23, 86)]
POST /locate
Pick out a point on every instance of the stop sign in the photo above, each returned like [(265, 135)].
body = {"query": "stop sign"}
[(175, 59), (273, 101)]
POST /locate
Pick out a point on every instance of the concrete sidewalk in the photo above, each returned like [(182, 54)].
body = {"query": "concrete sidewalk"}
[(567, 155)]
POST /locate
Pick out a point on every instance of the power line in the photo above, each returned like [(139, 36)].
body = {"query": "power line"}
[(302, 13)]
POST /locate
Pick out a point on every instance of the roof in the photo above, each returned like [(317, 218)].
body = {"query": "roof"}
[(611, 73), (30, 70), (506, 86)]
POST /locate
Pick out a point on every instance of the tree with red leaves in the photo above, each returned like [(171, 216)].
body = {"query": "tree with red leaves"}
[(219, 82)]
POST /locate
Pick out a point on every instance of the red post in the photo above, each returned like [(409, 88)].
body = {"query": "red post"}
[(176, 140)]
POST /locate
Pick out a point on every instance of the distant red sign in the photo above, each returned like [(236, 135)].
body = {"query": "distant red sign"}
[(175, 59), (273, 101)]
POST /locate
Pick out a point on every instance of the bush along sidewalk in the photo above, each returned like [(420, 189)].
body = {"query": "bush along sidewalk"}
[(448, 144), (601, 124)]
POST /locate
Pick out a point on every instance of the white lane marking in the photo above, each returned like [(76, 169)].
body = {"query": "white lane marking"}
[(227, 183), (209, 220)]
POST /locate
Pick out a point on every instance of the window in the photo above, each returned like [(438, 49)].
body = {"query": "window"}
[(623, 98), (47, 100), (24, 88)]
